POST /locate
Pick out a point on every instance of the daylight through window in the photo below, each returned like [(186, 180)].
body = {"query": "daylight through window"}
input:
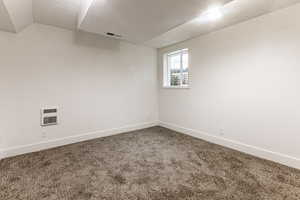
[(176, 70)]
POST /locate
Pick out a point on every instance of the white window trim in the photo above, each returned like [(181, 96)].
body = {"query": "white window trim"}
[(166, 80), (176, 87)]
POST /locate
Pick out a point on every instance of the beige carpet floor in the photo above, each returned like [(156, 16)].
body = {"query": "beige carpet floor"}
[(150, 164)]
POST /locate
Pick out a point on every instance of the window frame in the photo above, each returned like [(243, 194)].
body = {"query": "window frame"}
[(166, 72)]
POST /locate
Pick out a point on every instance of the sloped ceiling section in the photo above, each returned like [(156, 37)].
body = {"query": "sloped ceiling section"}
[(5, 21), (15, 15), (141, 20), (84, 8), (234, 12), (20, 12), (60, 13)]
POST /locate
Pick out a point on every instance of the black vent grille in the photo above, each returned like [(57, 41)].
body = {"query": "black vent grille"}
[(113, 35), (50, 120), (46, 111)]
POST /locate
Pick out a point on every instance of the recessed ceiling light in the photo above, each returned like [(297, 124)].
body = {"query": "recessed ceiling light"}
[(212, 14)]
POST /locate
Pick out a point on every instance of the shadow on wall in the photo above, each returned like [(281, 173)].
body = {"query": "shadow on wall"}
[(96, 41)]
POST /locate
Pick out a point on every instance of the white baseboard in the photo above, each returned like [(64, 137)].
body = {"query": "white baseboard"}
[(18, 150), (252, 150)]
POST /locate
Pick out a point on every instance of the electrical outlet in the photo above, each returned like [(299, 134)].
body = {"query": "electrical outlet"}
[(44, 134), (221, 132)]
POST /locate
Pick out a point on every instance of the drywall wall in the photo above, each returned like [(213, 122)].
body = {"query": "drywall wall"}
[(100, 86), (244, 86)]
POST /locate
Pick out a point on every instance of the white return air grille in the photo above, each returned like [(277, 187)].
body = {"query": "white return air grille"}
[(49, 116)]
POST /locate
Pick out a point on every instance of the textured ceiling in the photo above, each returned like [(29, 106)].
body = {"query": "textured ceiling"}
[(156, 23)]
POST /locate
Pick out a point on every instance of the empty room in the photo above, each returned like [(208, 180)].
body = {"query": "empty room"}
[(150, 100)]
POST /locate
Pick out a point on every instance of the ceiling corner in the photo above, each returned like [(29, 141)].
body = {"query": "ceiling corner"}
[(20, 13), (84, 8)]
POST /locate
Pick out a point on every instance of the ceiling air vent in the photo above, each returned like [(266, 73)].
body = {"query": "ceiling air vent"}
[(49, 116), (113, 35)]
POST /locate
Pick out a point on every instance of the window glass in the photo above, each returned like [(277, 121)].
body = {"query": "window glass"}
[(185, 67), (176, 69)]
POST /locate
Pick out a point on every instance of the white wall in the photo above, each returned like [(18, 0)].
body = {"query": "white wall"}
[(245, 87), (98, 84)]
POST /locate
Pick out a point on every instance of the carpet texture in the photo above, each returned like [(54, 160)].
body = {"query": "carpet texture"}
[(150, 164)]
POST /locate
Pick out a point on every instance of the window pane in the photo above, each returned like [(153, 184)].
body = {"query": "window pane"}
[(174, 69), (176, 66), (185, 60), (185, 67)]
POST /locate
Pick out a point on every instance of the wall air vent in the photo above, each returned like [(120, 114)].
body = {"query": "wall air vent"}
[(49, 116), (113, 35)]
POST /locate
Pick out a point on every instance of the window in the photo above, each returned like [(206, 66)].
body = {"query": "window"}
[(176, 69)]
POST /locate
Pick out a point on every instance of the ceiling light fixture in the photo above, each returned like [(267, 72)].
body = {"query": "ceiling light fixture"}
[(212, 14)]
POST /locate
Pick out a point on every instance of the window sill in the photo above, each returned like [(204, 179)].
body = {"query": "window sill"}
[(176, 87)]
